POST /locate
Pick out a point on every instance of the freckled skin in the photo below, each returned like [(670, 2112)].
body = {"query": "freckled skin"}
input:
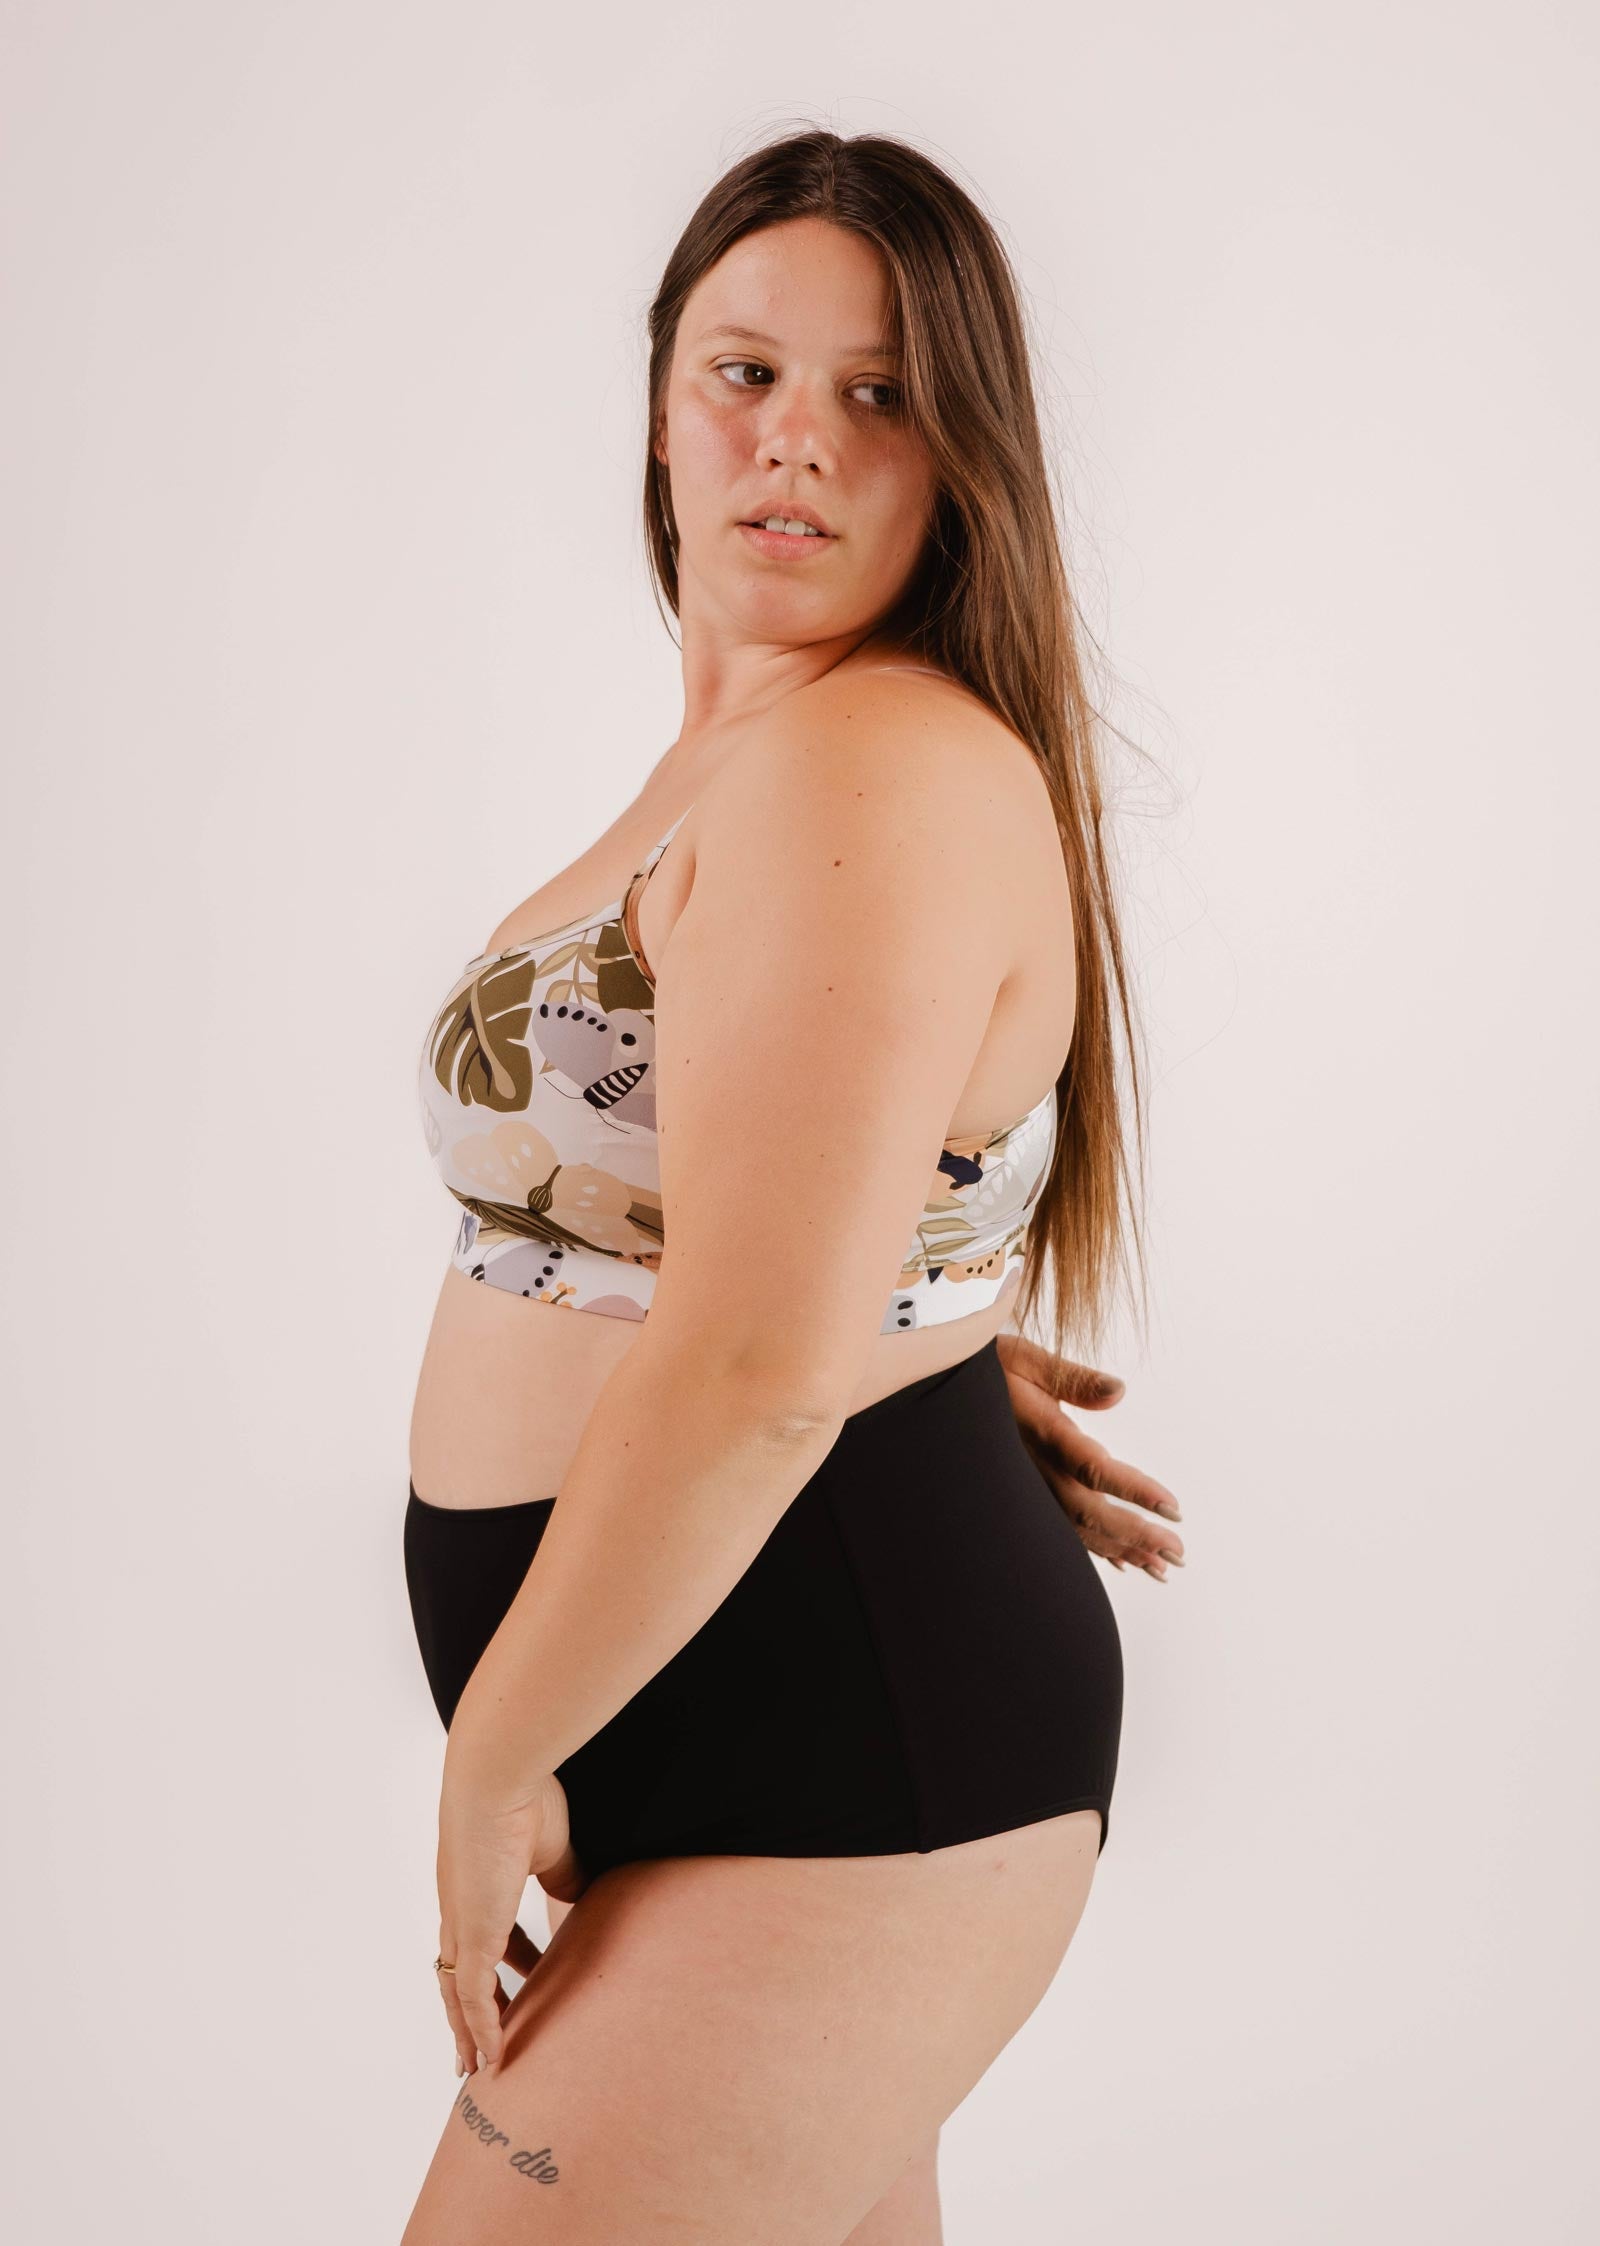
[(805, 415)]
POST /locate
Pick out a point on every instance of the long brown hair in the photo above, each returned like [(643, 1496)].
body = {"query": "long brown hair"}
[(991, 604)]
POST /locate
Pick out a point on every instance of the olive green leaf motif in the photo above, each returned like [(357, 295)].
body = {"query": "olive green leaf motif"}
[(480, 1053)]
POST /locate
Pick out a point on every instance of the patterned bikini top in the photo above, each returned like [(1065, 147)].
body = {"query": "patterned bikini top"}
[(539, 1107)]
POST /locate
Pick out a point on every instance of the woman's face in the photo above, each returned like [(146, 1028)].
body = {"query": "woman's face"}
[(784, 393)]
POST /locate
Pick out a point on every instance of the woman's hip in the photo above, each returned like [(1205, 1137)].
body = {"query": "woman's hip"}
[(922, 1652)]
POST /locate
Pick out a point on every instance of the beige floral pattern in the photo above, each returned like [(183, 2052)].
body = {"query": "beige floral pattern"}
[(538, 1105)]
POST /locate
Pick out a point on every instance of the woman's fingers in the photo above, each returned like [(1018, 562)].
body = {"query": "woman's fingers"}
[(474, 1988), (1125, 1539), (1092, 1464), (475, 1998), (483, 1861), (1084, 1385), (1062, 1447), (522, 1955), (465, 2042), (522, 1952), (1086, 1479)]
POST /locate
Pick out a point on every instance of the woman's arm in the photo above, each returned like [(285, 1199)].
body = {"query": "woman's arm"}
[(819, 1007), (681, 1474)]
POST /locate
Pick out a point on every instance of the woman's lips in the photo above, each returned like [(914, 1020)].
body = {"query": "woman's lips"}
[(784, 546)]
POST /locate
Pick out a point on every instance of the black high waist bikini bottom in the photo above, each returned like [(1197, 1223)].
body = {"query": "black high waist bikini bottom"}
[(922, 1652)]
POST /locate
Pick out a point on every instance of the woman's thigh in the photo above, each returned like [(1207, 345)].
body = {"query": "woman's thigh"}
[(908, 2214), (720, 2049)]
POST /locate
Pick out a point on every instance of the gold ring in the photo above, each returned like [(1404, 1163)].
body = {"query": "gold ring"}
[(439, 1966)]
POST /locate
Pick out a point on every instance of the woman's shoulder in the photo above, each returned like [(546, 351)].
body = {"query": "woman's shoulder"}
[(884, 743), (908, 695)]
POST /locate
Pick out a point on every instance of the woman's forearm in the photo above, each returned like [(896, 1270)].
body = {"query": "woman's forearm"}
[(677, 1482)]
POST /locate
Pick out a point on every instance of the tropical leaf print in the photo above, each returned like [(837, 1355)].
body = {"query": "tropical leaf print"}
[(539, 1103), (479, 1052)]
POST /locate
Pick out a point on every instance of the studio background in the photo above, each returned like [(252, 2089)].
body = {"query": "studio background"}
[(329, 638)]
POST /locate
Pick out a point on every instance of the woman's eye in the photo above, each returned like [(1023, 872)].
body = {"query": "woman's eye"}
[(888, 402)]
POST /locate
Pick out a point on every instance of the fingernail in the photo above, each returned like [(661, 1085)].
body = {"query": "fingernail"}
[(1168, 1510), (460, 2064), (482, 2061), (1175, 1557)]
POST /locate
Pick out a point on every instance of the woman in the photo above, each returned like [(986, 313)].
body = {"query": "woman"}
[(812, 1670)]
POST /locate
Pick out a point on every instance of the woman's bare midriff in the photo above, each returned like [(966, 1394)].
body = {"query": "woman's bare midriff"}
[(507, 1385)]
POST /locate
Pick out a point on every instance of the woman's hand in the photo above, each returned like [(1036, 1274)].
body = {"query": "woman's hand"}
[(488, 1849), (1082, 1473)]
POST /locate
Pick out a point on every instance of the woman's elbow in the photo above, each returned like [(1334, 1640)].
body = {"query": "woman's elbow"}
[(775, 1381)]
